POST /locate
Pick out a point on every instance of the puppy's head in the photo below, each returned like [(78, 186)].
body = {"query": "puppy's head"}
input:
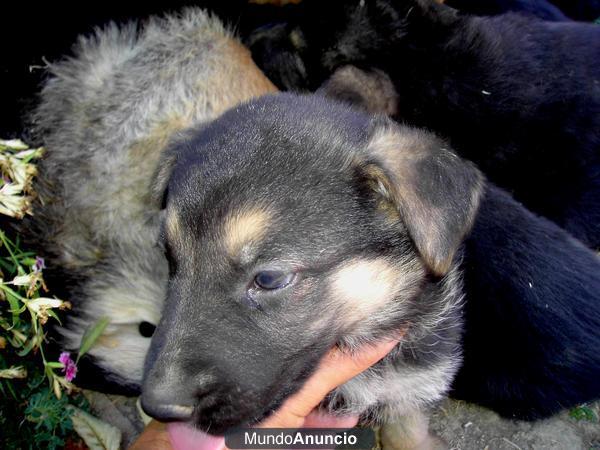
[(291, 224)]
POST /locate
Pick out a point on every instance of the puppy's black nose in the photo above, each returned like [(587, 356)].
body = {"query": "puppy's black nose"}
[(161, 407)]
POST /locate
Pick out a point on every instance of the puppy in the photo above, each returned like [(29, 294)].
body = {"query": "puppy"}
[(516, 95), (105, 116), (294, 223)]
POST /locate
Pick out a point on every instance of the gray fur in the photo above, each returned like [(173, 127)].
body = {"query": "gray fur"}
[(105, 116)]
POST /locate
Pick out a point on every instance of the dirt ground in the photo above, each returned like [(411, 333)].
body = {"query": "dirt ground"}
[(461, 425), (468, 427)]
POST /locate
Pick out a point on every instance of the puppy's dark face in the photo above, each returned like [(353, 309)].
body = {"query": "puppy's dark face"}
[(293, 224)]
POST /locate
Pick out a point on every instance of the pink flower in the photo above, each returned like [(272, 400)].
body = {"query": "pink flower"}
[(70, 368), (65, 358)]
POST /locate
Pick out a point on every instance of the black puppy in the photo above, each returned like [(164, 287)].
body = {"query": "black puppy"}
[(293, 223), (532, 317), (518, 96)]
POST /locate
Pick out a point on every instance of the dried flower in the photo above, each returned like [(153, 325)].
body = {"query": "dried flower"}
[(56, 388), (33, 280), (22, 280), (13, 144), (70, 368), (12, 202), (14, 372), (17, 174), (40, 306)]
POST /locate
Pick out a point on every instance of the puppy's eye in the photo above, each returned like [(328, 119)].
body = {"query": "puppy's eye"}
[(273, 279)]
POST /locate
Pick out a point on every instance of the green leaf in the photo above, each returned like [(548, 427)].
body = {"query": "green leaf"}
[(97, 435), (28, 347), (53, 315), (27, 261), (91, 335), (55, 365), (14, 302)]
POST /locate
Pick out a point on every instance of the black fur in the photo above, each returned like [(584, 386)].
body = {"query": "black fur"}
[(536, 8), (555, 10), (588, 10), (532, 315), (518, 96)]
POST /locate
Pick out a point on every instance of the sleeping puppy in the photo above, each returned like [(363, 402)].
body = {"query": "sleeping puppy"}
[(105, 117), (294, 223), (516, 95)]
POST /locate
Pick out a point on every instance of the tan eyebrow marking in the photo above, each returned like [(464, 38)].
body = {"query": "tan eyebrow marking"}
[(244, 227)]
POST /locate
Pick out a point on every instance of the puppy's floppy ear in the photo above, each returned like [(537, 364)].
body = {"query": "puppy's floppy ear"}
[(372, 91), (435, 192)]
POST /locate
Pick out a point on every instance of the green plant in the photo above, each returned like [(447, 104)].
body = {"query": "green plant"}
[(23, 310), (34, 412), (583, 412), (50, 418)]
